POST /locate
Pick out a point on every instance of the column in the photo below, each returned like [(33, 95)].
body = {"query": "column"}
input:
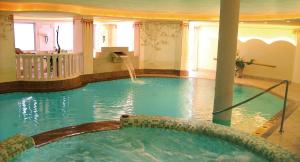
[(141, 47), (77, 35), (7, 48), (83, 41), (112, 34), (296, 73), (227, 44), (184, 49), (87, 28), (136, 27)]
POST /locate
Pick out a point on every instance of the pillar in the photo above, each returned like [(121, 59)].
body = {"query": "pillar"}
[(77, 35), (83, 41), (140, 45), (7, 48), (227, 44), (296, 73), (112, 34), (184, 49), (137, 26)]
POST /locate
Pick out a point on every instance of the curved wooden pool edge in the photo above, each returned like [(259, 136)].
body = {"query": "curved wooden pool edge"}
[(58, 134)]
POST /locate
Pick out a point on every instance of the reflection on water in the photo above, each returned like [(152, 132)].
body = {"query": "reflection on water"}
[(191, 99)]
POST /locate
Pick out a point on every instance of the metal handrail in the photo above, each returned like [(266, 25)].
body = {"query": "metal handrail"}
[(259, 94)]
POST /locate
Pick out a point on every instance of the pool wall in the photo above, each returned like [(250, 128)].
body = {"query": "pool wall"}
[(80, 81), (15, 145), (257, 145)]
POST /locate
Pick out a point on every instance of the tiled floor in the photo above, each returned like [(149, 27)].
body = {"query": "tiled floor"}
[(290, 139)]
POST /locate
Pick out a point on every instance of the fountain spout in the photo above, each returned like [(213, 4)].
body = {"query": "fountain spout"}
[(123, 57)]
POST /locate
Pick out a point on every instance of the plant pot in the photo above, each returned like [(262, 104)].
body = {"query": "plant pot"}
[(239, 72)]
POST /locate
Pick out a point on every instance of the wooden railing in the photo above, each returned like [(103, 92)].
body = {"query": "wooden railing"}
[(44, 67)]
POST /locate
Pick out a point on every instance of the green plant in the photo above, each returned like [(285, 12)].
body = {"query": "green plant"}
[(240, 65)]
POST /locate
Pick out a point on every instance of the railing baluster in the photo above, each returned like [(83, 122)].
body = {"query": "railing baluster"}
[(43, 77), (66, 66), (59, 66), (38, 66), (71, 65), (31, 64), (54, 66), (18, 66), (22, 68), (48, 68), (35, 65), (26, 67)]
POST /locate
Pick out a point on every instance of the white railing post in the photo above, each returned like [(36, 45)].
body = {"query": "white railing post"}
[(43, 71), (18, 68), (26, 67), (49, 67), (30, 67), (54, 66), (70, 63), (35, 67), (60, 66)]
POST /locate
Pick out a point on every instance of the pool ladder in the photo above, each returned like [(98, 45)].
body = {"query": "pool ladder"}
[(286, 82)]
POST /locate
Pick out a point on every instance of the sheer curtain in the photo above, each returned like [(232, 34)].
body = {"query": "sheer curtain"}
[(184, 46), (296, 73), (87, 27)]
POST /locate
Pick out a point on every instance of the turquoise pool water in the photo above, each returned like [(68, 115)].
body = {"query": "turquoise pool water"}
[(192, 99), (140, 144)]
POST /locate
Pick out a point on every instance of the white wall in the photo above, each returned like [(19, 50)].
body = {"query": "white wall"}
[(267, 44), (280, 54)]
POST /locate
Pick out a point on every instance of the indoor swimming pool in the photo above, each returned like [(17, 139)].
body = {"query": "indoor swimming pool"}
[(190, 99)]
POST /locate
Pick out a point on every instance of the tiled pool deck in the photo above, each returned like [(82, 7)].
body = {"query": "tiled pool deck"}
[(290, 139)]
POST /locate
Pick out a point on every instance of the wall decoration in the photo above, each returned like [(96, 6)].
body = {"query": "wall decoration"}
[(161, 44), (156, 34), (6, 23)]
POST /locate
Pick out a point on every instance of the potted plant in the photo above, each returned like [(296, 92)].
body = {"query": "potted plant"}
[(240, 65)]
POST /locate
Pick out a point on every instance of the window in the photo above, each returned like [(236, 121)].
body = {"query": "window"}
[(24, 36), (125, 35), (65, 35), (117, 34)]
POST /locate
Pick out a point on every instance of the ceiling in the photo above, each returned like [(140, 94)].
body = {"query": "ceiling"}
[(186, 6), (251, 10)]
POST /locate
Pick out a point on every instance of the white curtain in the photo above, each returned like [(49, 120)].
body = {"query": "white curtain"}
[(296, 73), (184, 46), (87, 27)]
